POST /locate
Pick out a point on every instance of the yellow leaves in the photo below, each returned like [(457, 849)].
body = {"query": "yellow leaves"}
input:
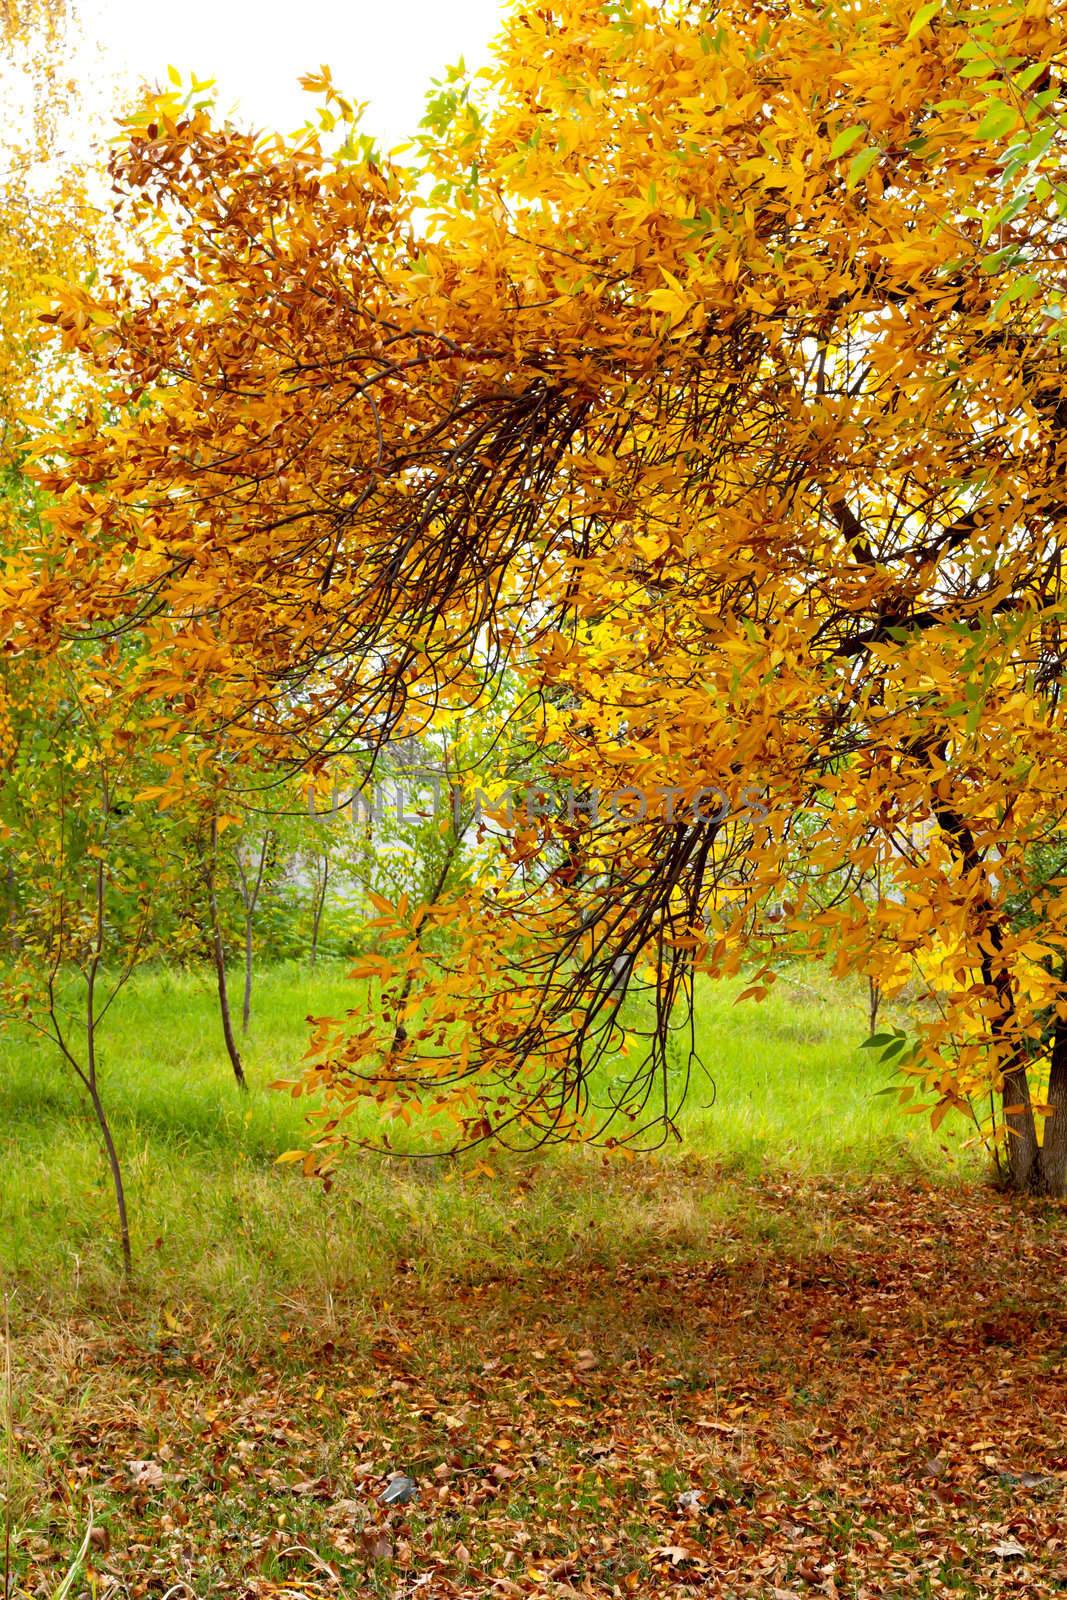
[(675, 304), (320, 82), (479, 1169), (652, 545), (912, 257)]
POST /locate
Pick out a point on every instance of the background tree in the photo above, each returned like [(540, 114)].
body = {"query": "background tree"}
[(47, 223), (85, 861), (251, 863), (207, 846)]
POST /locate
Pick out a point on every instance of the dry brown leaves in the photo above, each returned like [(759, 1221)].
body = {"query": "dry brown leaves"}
[(885, 1418)]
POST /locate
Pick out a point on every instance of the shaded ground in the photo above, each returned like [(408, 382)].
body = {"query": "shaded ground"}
[(873, 1406)]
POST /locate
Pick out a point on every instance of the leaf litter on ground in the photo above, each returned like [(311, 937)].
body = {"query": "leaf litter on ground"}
[(883, 1415)]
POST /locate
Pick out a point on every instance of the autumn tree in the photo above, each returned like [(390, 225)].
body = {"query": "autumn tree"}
[(85, 859), (721, 396), (252, 859), (47, 223)]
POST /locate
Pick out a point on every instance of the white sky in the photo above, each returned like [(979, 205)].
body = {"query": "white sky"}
[(384, 52)]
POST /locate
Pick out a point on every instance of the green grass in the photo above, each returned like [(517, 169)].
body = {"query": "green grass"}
[(214, 1218), (794, 1089)]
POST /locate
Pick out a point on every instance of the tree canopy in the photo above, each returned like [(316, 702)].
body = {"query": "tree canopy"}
[(702, 376)]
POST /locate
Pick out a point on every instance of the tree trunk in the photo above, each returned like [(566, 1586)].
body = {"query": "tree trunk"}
[(246, 1003), (250, 888), (116, 1180), (1052, 1164), (1016, 1106), (89, 1076), (224, 1003), (14, 937), (320, 901), (1021, 1128), (219, 954)]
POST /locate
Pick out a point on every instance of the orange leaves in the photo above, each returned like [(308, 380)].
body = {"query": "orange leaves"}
[(373, 967)]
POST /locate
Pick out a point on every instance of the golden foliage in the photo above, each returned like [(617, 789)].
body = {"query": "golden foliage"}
[(45, 219), (720, 396)]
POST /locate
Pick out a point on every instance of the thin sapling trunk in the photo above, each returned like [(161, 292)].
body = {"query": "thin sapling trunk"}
[(218, 949), (250, 887)]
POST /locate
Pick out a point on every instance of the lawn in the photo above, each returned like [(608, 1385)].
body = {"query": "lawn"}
[(790, 1091), (809, 1351)]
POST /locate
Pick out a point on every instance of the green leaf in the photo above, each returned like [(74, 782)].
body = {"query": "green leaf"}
[(924, 15), (999, 118), (1031, 75), (861, 165), (1023, 288), (845, 141), (998, 259), (978, 69)]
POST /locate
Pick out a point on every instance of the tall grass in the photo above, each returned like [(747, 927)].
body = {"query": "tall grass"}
[(215, 1219)]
